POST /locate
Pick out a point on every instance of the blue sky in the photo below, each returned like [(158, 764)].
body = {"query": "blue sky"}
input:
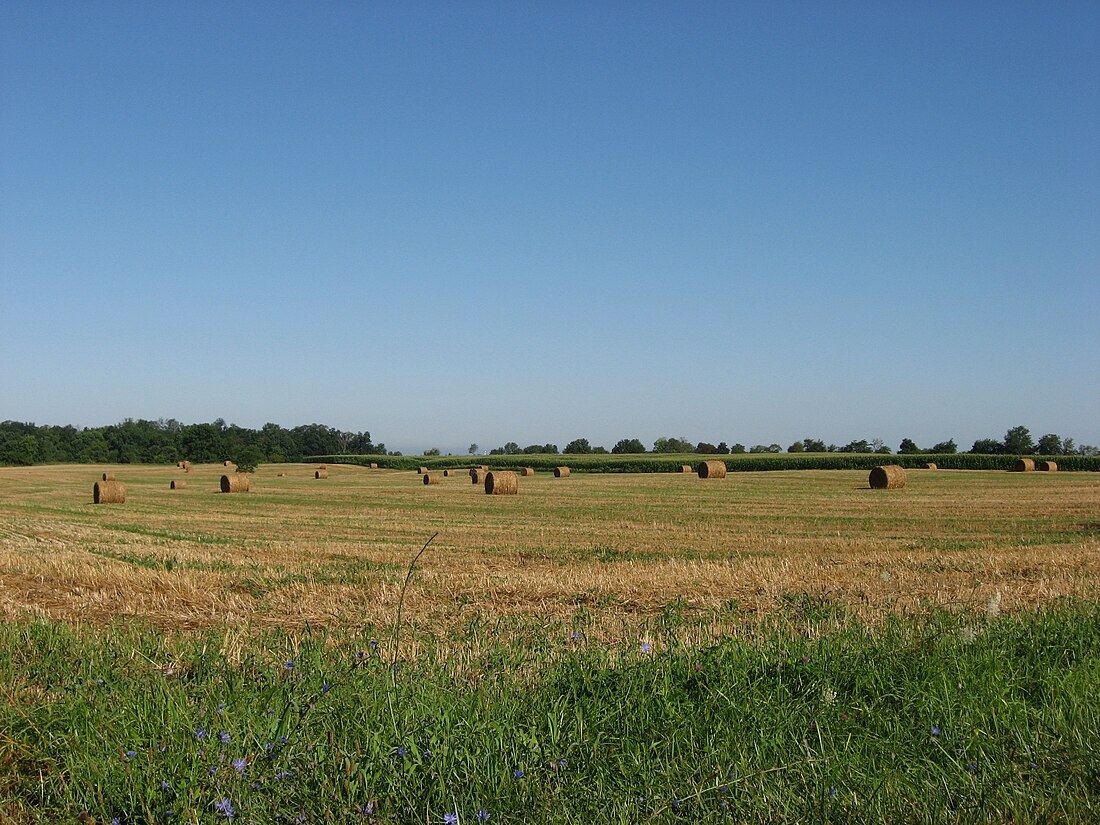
[(449, 223)]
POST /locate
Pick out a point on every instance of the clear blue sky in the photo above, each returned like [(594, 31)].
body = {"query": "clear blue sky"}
[(483, 222)]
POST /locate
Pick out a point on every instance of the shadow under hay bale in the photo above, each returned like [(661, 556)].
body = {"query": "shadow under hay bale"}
[(561, 472), (501, 483), (1048, 466), (109, 492), (432, 478), (177, 485), (1025, 465), (888, 477), (236, 483), (712, 469)]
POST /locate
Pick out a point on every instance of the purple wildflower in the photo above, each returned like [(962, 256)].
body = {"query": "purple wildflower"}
[(482, 814), (450, 818), (225, 808), (224, 737), (645, 647), (518, 773), (200, 733), (131, 754), (289, 664), (240, 765)]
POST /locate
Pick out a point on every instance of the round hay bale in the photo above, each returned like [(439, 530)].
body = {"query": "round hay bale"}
[(421, 470), (501, 483), (236, 483), (109, 491), (477, 476), (685, 468), (712, 469), (108, 477), (485, 468), (374, 465), (281, 475), (320, 473), (322, 466), (227, 463), (561, 472), (527, 471), (1048, 466), (1025, 465), (177, 485), (930, 466), (432, 478), (889, 477), (446, 473)]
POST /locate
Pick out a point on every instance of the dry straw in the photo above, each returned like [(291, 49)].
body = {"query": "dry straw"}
[(685, 468), (374, 465), (561, 472), (712, 469), (184, 465), (930, 466), (1025, 465), (446, 473), (108, 477), (320, 473), (421, 470), (501, 483), (109, 491), (527, 471), (227, 463), (432, 478), (235, 483), (177, 485), (1048, 466), (281, 475), (477, 476), (889, 477)]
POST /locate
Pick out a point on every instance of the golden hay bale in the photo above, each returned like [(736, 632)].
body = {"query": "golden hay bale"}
[(485, 467), (177, 485), (109, 491), (1025, 465), (421, 470), (712, 469), (1048, 466), (685, 468), (320, 473), (527, 471), (446, 473), (888, 477), (477, 476), (501, 483), (227, 463), (108, 476), (432, 478), (930, 466), (374, 465), (322, 466), (281, 475), (236, 483), (561, 472)]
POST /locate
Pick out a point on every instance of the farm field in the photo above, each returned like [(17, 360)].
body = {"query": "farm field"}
[(612, 551), (782, 646)]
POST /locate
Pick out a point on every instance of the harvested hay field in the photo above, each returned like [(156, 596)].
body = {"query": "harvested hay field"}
[(615, 548)]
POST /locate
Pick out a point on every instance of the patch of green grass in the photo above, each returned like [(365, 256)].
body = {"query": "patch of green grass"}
[(930, 718)]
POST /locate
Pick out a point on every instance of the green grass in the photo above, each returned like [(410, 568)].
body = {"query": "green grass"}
[(811, 718)]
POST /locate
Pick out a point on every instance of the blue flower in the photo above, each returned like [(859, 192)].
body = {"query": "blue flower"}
[(450, 818), (645, 647), (240, 765), (676, 804), (935, 731), (200, 733), (224, 737), (401, 751), (427, 753), (325, 688), (367, 809), (164, 786), (221, 708), (970, 766), (373, 643), (482, 814), (289, 664), (518, 773), (225, 808), (832, 792), (285, 775), (131, 754)]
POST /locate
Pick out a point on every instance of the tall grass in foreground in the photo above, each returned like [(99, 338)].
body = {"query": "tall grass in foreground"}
[(940, 718)]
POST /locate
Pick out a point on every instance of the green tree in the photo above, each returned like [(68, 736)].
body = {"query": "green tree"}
[(987, 446), (473, 449), (249, 458), (946, 447), (431, 451), (1018, 441), (908, 446), (628, 445), (737, 449), (578, 446), (814, 445), (797, 447), (1051, 444)]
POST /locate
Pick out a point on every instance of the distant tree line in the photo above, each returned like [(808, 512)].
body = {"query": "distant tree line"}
[(1017, 441), (168, 441)]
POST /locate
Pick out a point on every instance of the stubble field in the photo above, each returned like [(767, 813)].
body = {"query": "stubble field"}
[(611, 551)]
